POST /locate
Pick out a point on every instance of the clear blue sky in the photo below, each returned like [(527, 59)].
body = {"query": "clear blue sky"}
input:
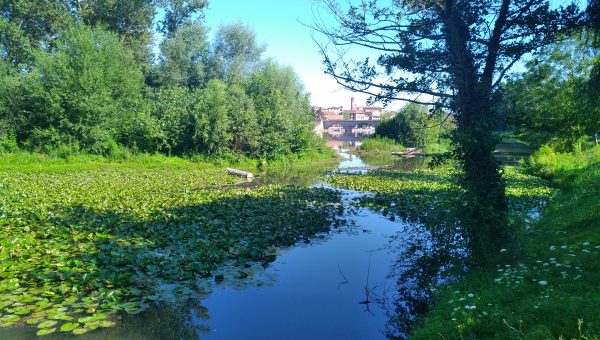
[(287, 40)]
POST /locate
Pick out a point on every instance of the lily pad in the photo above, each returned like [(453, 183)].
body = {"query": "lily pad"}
[(47, 324), (79, 331), (69, 326), (46, 331), (22, 310)]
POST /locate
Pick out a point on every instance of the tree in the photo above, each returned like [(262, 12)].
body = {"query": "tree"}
[(26, 25), (81, 91), (282, 108), (456, 52), (183, 56), (178, 13), (211, 135), (235, 53), (593, 14), (131, 20), (414, 126), (243, 127), (548, 103)]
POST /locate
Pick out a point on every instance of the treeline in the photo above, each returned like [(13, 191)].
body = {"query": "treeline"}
[(418, 126), (86, 76), (556, 100)]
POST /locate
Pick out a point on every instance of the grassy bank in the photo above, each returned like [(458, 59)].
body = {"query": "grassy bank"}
[(550, 289), (382, 146), (23, 161), (86, 240)]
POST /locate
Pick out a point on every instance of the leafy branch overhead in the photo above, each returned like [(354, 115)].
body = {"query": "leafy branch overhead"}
[(412, 38)]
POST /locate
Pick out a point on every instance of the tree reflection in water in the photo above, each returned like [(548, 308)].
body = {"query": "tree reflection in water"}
[(430, 251)]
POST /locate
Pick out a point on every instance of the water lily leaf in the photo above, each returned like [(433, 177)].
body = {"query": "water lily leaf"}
[(46, 331), (47, 324), (4, 304), (69, 326), (33, 321), (10, 317), (79, 331), (63, 317), (42, 304), (22, 310), (106, 323)]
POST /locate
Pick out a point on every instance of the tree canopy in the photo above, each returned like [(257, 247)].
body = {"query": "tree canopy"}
[(80, 76)]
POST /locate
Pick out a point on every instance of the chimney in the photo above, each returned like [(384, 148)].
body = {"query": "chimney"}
[(352, 103)]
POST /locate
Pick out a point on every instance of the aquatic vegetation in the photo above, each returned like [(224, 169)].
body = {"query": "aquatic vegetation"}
[(79, 249)]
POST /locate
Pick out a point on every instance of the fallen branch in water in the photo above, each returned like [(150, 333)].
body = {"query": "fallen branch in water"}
[(240, 173)]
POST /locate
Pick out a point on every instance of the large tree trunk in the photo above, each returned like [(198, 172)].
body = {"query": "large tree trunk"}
[(485, 209)]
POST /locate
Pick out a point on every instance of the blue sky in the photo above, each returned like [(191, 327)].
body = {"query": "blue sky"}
[(277, 25), (288, 41)]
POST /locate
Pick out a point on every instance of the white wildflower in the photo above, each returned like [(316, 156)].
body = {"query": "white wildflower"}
[(543, 283)]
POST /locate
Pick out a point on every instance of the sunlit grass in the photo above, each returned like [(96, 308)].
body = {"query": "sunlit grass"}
[(548, 290)]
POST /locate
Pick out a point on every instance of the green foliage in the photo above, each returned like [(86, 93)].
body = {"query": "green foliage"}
[(548, 103), (130, 20), (235, 53), (81, 92), (379, 144), (549, 290), (183, 56), (27, 25), (415, 126), (178, 13), (210, 119), (282, 109)]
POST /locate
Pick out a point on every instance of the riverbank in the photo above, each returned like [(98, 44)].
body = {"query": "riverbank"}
[(23, 161), (550, 288)]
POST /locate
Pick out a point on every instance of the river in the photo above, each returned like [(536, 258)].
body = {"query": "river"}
[(338, 285)]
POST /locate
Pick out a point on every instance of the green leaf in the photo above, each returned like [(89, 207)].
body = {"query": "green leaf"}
[(46, 331), (69, 326), (47, 324), (22, 310), (79, 331)]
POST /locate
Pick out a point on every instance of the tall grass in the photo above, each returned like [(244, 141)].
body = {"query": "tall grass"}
[(380, 145)]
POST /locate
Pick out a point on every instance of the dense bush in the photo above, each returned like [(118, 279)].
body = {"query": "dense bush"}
[(85, 93), (416, 126)]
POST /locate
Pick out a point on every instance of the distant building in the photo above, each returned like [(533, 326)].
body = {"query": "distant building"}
[(363, 112), (355, 112)]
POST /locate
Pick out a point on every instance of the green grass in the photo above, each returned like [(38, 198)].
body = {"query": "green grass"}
[(85, 240), (380, 145), (551, 288), (23, 161)]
